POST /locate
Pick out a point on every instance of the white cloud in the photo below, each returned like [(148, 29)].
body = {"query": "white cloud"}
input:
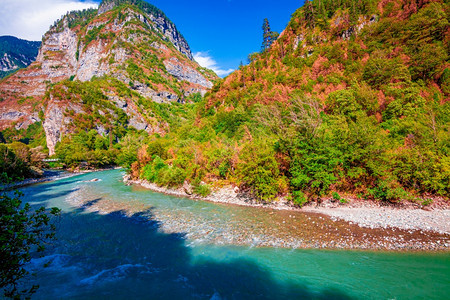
[(205, 60), (30, 19)]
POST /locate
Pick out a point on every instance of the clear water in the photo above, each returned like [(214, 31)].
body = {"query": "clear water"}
[(117, 242)]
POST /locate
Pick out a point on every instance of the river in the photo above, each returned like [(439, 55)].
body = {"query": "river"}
[(117, 242)]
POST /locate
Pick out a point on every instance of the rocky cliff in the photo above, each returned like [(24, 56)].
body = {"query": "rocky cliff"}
[(130, 43), (16, 53)]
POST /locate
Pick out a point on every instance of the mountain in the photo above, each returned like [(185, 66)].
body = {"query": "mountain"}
[(328, 44), (103, 70), (350, 101), (16, 54)]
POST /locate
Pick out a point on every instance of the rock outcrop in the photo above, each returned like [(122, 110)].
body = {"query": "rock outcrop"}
[(177, 69), (158, 20)]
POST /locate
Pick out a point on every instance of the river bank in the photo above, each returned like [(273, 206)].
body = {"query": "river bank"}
[(50, 175), (367, 214)]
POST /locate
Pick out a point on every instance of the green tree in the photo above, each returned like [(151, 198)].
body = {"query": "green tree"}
[(12, 166), (268, 36), (24, 232)]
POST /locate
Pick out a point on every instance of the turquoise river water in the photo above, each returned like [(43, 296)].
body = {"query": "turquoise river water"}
[(121, 242)]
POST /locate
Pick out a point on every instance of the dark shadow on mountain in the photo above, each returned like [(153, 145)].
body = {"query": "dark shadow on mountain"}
[(115, 256)]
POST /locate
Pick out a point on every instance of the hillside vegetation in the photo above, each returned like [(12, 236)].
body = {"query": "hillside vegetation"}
[(352, 100)]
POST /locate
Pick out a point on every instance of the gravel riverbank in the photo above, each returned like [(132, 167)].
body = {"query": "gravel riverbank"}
[(387, 217), (363, 213)]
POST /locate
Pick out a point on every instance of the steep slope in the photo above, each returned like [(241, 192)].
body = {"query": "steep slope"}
[(351, 100), (127, 53), (327, 44), (16, 54)]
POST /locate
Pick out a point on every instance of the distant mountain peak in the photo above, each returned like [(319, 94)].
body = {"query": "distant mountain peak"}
[(16, 53)]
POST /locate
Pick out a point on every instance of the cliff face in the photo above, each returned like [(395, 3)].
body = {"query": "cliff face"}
[(16, 53), (130, 43), (157, 18)]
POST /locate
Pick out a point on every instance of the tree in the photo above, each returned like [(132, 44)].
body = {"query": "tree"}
[(23, 232), (12, 166), (310, 14), (268, 36)]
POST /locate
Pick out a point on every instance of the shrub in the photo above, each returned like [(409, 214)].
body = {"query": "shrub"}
[(337, 197), (12, 166), (299, 198), (202, 190), (171, 176), (388, 191)]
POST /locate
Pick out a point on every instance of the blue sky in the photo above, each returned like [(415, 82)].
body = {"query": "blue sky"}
[(226, 31), (221, 33)]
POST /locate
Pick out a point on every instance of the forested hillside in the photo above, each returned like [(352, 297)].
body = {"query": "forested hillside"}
[(351, 100)]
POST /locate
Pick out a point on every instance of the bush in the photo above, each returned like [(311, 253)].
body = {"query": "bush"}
[(24, 233), (381, 71), (337, 197), (388, 191), (299, 198), (202, 190), (158, 172), (171, 176)]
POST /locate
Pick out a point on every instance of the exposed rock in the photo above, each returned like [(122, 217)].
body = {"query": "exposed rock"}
[(53, 124), (298, 40), (101, 130), (105, 6), (363, 22), (187, 188), (89, 62), (171, 32), (160, 23), (11, 115), (181, 72), (58, 54)]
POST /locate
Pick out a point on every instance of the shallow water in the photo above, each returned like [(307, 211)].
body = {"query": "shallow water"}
[(116, 241)]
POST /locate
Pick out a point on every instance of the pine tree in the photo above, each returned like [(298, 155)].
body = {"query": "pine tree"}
[(268, 36)]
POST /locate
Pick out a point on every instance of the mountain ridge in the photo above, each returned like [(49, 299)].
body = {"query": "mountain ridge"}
[(16, 53), (122, 44)]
